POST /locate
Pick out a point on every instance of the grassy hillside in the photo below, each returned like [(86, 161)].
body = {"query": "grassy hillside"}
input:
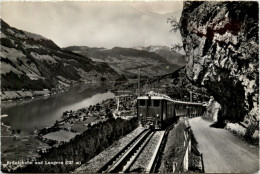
[(32, 62)]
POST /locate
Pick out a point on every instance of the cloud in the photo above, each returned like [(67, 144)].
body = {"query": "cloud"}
[(162, 7), (96, 24)]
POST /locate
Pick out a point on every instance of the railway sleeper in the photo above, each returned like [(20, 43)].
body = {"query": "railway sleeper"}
[(117, 165), (104, 168), (134, 152)]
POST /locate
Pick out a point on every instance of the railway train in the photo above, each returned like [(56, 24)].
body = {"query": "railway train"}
[(157, 111)]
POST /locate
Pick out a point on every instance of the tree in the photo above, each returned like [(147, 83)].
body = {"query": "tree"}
[(18, 131), (177, 47), (13, 131), (109, 113), (103, 79), (175, 25), (56, 123)]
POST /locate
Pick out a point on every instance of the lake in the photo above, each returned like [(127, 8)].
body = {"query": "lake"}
[(41, 112)]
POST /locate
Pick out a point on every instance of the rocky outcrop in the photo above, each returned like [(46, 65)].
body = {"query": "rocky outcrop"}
[(221, 44), (212, 109)]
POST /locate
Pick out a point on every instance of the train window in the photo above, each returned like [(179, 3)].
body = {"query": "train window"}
[(149, 102), (156, 103), (142, 102)]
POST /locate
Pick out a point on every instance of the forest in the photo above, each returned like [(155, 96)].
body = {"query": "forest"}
[(82, 148)]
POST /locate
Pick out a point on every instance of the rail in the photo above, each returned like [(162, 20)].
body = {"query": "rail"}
[(155, 154), (202, 163), (123, 160), (136, 155)]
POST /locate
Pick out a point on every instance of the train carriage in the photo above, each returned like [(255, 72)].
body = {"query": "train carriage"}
[(157, 110)]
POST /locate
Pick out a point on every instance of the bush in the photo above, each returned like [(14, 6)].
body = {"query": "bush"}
[(250, 130)]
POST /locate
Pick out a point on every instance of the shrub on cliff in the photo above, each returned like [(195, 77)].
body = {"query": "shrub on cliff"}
[(252, 134)]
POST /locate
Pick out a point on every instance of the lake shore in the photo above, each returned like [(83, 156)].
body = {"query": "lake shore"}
[(18, 95), (33, 144), (13, 95), (74, 122)]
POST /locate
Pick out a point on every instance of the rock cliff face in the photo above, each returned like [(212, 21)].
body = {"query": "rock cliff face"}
[(221, 44)]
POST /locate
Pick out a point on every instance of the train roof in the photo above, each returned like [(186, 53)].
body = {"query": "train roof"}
[(157, 96)]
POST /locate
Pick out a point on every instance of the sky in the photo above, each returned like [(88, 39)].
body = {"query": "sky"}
[(97, 24)]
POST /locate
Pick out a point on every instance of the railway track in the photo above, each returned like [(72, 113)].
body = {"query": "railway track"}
[(118, 162), (141, 153)]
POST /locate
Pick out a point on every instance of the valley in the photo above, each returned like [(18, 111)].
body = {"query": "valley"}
[(126, 61)]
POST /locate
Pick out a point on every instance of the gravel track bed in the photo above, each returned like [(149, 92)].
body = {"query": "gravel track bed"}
[(143, 160), (101, 159)]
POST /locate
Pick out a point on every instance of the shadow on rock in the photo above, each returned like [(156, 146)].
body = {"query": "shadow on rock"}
[(220, 125)]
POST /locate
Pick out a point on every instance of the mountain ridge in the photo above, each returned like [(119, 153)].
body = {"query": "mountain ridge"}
[(166, 52), (126, 61), (30, 62)]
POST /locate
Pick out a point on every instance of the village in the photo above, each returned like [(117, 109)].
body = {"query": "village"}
[(76, 122)]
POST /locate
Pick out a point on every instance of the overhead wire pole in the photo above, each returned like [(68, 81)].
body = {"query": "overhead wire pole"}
[(146, 85), (139, 90)]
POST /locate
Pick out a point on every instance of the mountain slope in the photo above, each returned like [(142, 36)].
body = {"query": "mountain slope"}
[(175, 84), (32, 62), (126, 61), (167, 53)]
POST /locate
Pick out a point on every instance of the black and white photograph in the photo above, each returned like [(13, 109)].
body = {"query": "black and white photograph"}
[(129, 86)]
